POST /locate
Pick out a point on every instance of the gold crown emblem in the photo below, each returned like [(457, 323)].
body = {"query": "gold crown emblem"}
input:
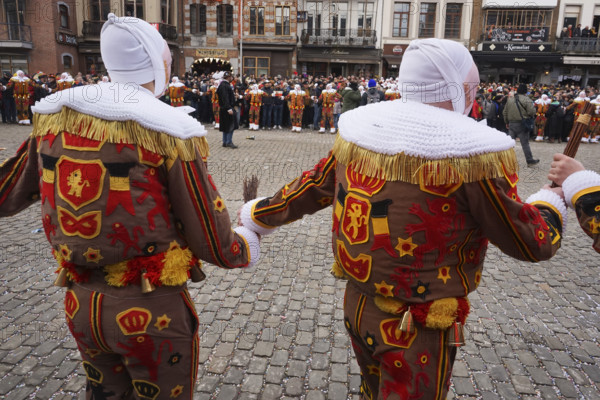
[(93, 374), (146, 390), (134, 321), (361, 183)]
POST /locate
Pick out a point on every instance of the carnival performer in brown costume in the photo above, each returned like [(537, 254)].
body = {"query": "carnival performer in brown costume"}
[(129, 209), (176, 92), (582, 192), (23, 92), (214, 99), (66, 81), (254, 96), (296, 99), (327, 99), (417, 191), (541, 108)]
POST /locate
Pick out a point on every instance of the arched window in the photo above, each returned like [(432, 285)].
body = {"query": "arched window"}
[(67, 60), (63, 15), (224, 20)]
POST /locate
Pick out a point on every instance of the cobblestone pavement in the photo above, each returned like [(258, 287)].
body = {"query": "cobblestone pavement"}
[(277, 331)]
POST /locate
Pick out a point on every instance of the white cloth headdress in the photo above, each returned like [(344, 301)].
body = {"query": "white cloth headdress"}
[(134, 52), (435, 70)]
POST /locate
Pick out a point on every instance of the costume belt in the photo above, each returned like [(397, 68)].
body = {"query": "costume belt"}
[(169, 268)]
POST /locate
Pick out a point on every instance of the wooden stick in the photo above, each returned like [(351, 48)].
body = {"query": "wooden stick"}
[(250, 188), (579, 128)]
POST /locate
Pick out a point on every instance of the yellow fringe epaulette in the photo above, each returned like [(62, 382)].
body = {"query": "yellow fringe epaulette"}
[(406, 168), (128, 132)]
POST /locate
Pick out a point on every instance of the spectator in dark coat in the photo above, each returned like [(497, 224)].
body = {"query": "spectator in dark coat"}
[(226, 110)]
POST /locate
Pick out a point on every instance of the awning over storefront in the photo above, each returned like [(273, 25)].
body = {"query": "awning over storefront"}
[(341, 56), (581, 60), (529, 58), (519, 3)]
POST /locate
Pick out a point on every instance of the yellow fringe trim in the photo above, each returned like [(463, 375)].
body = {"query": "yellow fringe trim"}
[(337, 271), (128, 132), (176, 265), (442, 313), (405, 168), (115, 274), (390, 305)]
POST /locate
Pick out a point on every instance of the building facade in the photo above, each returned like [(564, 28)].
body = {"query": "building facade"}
[(514, 41), (581, 54), (265, 44), (404, 21), (91, 15), (339, 37), (38, 35)]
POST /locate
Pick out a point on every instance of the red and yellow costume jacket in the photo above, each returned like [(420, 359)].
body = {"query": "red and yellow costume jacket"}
[(582, 192), (391, 95), (327, 99), (23, 90), (63, 85), (296, 100), (127, 196), (255, 97), (411, 217), (176, 92)]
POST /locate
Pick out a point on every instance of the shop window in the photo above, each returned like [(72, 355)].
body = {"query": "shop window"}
[(427, 20), (99, 9), (134, 8), (453, 19), (256, 66), (198, 19), (94, 65), (63, 16), (224, 20), (401, 19), (282, 21), (257, 20), (12, 64)]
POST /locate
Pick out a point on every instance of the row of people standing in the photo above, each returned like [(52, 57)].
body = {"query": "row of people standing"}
[(275, 105)]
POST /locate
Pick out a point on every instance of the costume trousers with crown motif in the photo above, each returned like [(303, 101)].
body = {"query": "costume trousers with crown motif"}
[(327, 116), (134, 344), (396, 365)]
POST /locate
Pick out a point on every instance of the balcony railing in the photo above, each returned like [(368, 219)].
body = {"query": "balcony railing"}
[(15, 32), (339, 37), (578, 45), (92, 29)]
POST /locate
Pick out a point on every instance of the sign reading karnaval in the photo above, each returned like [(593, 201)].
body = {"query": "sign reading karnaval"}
[(211, 53)]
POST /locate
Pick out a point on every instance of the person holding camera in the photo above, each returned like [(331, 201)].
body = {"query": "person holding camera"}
[(519, 108)]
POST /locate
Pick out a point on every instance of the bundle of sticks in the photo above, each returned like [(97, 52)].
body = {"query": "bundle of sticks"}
[(580, 126)]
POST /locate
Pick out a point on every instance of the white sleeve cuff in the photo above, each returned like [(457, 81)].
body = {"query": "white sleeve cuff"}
[(548, 197), (577, 182), (252, 242), (248, 222)]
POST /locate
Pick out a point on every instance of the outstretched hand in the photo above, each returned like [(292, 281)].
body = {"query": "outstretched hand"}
[(562, 166)]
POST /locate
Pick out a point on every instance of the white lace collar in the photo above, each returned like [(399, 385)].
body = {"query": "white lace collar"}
[(419, 130), (123, 102)]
